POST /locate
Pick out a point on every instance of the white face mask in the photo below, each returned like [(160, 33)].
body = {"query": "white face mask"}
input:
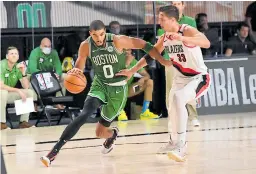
[(46, 50)]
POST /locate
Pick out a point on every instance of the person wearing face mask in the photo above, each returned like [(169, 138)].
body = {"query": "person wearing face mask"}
[(44, 58), (11, 73), (114, 27)]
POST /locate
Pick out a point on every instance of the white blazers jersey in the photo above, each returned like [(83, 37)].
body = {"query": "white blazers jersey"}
[(187, 60)]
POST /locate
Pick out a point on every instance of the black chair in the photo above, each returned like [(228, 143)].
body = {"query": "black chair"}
[(46, 85)]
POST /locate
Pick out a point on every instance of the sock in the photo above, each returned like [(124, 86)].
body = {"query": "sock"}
[(145, 106)]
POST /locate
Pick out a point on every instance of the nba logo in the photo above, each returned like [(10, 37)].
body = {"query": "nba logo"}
[(198, 103)]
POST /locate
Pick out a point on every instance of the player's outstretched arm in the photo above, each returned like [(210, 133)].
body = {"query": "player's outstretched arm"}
[(83, 53), (125, 42), (144, 61)]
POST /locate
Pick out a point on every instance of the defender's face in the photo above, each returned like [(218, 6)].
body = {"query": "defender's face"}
[(98, 36), (165, 22)]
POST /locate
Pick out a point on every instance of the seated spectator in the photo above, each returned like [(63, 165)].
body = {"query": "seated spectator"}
[(240, 44), (250, 18), (144, 84), (44, 58), (11, 72), (114, 27), (211, 34)]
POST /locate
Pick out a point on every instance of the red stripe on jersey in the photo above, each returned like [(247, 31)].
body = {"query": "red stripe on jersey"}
[(203, 87), (184, 70)]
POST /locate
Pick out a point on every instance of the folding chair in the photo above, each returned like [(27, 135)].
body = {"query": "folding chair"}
[(46, 85)]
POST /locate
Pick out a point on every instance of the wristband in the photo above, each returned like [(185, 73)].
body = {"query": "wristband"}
[(148, 47)]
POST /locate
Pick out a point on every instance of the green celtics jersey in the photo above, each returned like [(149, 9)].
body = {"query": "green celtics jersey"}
[(106, 60)]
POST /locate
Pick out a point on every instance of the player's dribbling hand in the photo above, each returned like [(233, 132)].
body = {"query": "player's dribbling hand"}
[(125, 72), (75, 70)]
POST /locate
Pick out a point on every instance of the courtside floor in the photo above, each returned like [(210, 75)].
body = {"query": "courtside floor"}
[(223, 144)]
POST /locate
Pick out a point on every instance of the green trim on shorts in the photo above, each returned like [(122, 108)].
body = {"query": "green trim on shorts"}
[(119, 110), (93, 95)]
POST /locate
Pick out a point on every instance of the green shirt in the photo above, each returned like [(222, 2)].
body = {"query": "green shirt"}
[(9, 77), (107, 60), (183, 20), (38, 61), (133, 63)]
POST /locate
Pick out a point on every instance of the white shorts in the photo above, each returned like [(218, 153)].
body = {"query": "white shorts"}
[(190, 89)]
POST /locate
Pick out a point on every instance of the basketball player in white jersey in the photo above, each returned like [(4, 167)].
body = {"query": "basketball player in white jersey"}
[(191, 79)]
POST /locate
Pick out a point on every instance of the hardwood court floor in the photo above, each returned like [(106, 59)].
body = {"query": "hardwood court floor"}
[(223, 144)]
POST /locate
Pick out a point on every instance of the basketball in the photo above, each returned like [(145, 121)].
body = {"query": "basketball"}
[(75, 81)]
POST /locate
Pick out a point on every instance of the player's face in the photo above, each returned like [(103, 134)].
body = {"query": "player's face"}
[(98, 36), (179, 5), (165, 22), (13, 55)]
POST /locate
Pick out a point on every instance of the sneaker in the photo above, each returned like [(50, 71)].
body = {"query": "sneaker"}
[(25, 124), (178, 154), (46, 160), (4, 126), (195, 123), (109, 143), (166, 148), (122, 116), (148, 115)]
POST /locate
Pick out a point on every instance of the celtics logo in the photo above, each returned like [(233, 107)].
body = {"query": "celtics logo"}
[(110, 49)]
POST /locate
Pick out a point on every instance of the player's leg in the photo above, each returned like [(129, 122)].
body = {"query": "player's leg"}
[(116, 98), (172, 128), (90, 106), (181, 97)]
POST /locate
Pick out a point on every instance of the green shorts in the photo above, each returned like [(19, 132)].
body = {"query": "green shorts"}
[(113, 97)]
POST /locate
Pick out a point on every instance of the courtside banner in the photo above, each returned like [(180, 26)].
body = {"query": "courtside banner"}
[(233, 87)]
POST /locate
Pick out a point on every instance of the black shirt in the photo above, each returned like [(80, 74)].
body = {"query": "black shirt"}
[(239, 47)]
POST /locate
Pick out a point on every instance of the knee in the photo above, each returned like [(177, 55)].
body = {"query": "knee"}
[(149, 83), (178, 98), (4, 93)]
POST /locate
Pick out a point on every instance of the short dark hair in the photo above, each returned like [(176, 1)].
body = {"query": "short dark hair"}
[(114, 23), (97, 25), (242, 24), (170, 11), (11, 48)]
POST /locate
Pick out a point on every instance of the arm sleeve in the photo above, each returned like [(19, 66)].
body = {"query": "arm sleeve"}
[(33, 62), (57, 63)]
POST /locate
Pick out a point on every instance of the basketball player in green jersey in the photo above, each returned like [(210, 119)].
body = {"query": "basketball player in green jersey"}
[(107, 55)]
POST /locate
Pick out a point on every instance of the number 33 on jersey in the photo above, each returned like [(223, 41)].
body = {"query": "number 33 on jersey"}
[(187, 59), (107, 60)]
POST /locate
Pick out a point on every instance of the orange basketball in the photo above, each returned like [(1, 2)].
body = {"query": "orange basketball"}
[(75, 81)]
